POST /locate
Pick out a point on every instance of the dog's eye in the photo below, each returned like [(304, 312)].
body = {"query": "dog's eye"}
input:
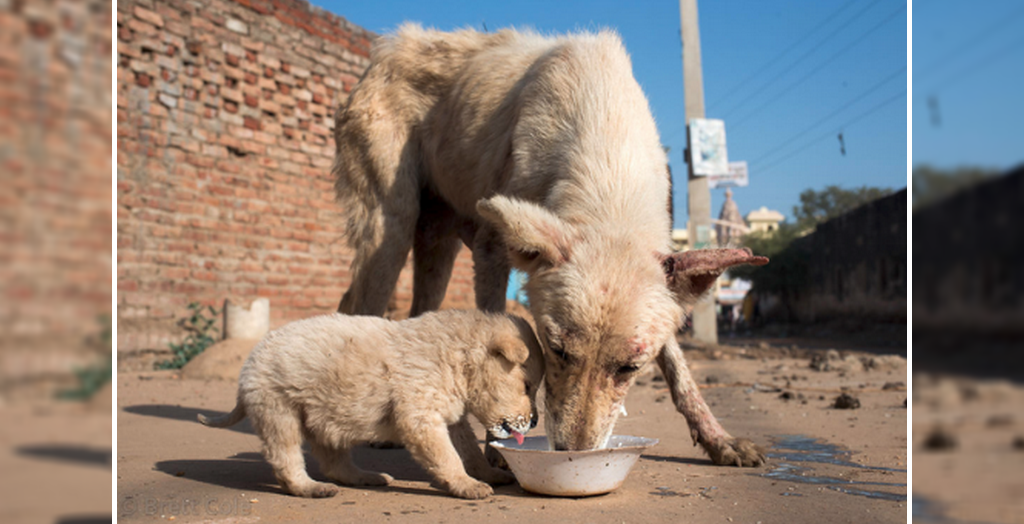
[(628, 368), (555, 344), (557, 350)]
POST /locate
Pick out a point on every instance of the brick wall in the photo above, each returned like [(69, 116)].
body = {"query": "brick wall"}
[(55, 201), (225, 116)]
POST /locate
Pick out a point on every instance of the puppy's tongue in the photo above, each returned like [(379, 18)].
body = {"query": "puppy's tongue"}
[(519, 437)]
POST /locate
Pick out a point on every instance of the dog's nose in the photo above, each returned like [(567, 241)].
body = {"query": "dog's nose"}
[(534, 419)]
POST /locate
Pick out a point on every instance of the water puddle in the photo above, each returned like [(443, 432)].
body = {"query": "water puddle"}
[(791, 450), (924, 510)]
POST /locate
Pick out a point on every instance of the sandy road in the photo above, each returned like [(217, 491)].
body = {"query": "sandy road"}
[(170, 466)]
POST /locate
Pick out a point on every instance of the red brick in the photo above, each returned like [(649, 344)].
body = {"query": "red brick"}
[(250, 78), (149, 16), (251, 101), (252, 123), (143, 80), (232, 60)]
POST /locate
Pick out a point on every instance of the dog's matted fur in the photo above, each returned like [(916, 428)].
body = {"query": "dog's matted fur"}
[(338, 381), (539, 153)]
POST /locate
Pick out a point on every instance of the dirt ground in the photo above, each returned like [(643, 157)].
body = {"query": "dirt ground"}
[(834, 466), (55, 462), (968, 449)]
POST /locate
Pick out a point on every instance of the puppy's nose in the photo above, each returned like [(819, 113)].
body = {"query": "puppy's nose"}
[(534, 419)]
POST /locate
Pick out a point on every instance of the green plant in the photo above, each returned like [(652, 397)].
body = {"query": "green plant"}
[(200, 336), (92, 378), (832, 201)]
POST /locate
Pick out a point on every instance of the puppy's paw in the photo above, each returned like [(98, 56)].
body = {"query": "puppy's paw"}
[(498, 477), (471, 489), (739, 452), (375, 479), (317, 490)]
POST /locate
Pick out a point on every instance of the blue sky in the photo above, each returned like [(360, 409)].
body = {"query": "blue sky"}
[(970, 61), (786, 75)]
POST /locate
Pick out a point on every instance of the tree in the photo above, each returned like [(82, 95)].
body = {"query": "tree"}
[(770, 244), (820, 206), (929, 184)]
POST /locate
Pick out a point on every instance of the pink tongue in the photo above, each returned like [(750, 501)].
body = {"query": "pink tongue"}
[(519, 437)]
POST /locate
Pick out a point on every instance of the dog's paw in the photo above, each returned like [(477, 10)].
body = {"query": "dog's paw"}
[(317, 490), (739, 452), (498, 477), (372, 479), (471, 489)]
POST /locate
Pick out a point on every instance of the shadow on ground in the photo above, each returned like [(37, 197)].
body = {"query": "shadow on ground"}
[(186, 414), (68, 453)]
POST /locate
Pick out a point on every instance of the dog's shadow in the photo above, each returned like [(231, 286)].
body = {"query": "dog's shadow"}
[(186, 414), (68, 453), (249, 471)]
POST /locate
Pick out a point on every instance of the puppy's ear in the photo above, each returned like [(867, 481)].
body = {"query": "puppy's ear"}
[(535, 236), (691, 273), (511, 347)]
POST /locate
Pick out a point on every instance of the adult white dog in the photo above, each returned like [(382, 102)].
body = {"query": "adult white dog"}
[(541, 154)]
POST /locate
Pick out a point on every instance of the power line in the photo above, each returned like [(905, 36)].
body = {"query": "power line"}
[(829, 134), (789, 89), (969, 43), (739, 86), (963, 74), (775, 150), (802, 57)]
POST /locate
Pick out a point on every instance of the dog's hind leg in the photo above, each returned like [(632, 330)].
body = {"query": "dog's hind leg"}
[(723, 448), (382, 247), (336, 464), (281, 432), (434, 250)]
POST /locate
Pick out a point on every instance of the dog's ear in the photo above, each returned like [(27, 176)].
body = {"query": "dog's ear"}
[(534, 235), (511, 347), (691, 273)]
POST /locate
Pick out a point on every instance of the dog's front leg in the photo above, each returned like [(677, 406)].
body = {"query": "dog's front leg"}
[(491, 271), (723, 448), (466, 444), (431, 446)]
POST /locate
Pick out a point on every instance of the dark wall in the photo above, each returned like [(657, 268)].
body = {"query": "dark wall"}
[(852, 267)]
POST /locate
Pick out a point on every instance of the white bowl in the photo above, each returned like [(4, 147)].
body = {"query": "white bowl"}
[(572, 473)]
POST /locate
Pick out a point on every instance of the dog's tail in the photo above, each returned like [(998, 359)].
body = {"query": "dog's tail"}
[(224, 421)]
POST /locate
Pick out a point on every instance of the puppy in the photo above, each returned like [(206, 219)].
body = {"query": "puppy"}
[(339, 381)]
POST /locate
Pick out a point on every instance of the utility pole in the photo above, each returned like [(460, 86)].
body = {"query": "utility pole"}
[(705, 327)]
